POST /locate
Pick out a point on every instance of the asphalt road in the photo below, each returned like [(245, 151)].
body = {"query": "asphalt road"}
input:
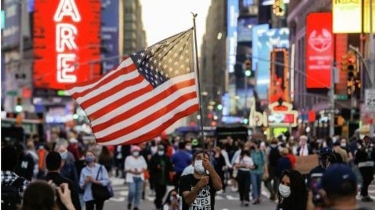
[(224, 201)]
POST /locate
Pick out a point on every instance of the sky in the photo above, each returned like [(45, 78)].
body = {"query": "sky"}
[(164, 18)]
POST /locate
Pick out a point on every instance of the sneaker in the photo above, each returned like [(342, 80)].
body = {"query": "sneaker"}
[(367, 199), (257, 201), (129, 206), (136, 208), (272, 197), (246, 203)]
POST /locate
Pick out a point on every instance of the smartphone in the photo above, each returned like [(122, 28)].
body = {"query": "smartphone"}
[(316, 186)]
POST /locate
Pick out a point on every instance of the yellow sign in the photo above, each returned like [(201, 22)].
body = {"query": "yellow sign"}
[(347, 16), (366, 16)]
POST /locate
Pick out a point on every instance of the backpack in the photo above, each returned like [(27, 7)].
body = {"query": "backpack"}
[(274, 156), (10, 194)]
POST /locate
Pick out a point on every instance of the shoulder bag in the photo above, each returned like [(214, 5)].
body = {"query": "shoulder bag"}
[(100, 192)]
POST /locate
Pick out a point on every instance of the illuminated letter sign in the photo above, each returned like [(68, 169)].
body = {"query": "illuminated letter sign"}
[(65, 42)]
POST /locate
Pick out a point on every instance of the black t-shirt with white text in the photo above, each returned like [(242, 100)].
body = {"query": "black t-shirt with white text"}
[(205, 199)]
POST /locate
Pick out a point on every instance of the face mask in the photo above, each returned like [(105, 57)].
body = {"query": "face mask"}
[(343, 144), (64, 155), (284, 190), (198, 167), (136, 153), (359, 147), (188, 147), (161, 153), (90, 159)]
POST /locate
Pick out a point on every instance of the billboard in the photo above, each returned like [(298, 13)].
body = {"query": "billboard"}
[(347, 16), (66, 41), (319, 50), (11, 31), (244, 28), (232, 13), (279, 84), (366, 16), (110, 34), (266, 42)]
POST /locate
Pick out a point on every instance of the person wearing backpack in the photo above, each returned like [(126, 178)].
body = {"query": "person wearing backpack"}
[(273, 156), (12, 185)]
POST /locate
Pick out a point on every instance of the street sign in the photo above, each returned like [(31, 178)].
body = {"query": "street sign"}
[(12, 92), (370, 100), (342, 97)]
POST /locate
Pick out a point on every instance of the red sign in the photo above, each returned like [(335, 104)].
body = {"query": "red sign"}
[(319, 50), (66, 42), (279, 83)]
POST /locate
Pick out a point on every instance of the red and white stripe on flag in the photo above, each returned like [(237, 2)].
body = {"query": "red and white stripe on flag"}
[(125, 108)]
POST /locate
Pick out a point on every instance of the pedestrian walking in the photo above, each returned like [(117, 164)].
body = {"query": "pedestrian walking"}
[(244, 164), (160, 166), (88, 178), (135, 166)]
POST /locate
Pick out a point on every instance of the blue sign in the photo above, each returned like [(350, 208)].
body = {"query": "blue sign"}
[(245, 28), (110, 34), (11, 31), (266, 41), (232, 34)]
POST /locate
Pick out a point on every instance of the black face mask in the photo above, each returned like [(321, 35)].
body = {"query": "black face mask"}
[(252, 148)]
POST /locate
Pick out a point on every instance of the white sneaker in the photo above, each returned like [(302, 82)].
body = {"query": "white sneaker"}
[(234, 189)]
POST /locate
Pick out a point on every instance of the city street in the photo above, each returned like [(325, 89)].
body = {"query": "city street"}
[(224, 201)]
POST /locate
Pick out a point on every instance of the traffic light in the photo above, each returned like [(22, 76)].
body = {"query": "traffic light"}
[(349, 64), (19, 107), (247, 65), (248, 70)]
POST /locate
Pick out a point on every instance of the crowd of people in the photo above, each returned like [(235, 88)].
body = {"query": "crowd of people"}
[(66, 169)]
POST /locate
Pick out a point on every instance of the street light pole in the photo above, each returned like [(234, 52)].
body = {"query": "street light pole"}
[(332, 101), (371, 61)]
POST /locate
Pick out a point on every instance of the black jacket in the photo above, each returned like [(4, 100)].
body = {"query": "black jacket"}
[(57, 179), (157, 173)]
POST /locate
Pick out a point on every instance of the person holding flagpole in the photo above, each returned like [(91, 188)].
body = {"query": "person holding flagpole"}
[(198, 190)]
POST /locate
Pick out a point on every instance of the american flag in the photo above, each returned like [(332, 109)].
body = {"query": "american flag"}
[(146, 94)]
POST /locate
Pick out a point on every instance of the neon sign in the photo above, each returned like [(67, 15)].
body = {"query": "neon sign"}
[(66, 39)]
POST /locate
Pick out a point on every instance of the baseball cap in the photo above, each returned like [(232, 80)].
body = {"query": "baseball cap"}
[(325, 151), (135, 148), (339, 179)]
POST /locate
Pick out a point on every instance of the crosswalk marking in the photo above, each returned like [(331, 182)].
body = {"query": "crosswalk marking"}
[(122, 190)]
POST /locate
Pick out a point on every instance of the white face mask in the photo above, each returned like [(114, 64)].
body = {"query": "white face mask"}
[(136, 153), (188, 147), (198, 167), (343, 144), (284, 190), (160, 153)]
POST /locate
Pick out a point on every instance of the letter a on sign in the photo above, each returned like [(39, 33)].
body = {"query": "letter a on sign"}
[(67, 8)]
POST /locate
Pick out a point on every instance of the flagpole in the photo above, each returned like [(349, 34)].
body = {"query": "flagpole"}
[(198, 80)]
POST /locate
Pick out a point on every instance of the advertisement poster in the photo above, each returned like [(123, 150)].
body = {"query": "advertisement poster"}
[(266, 42), (232, 34), (279, 82), (110, 34), (319, 50), (347, 16), (244, 28), (11, 31), (66, 41)]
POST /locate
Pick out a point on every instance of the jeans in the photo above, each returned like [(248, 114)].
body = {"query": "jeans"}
[(135, 191), (272, 187), (256, 182)]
